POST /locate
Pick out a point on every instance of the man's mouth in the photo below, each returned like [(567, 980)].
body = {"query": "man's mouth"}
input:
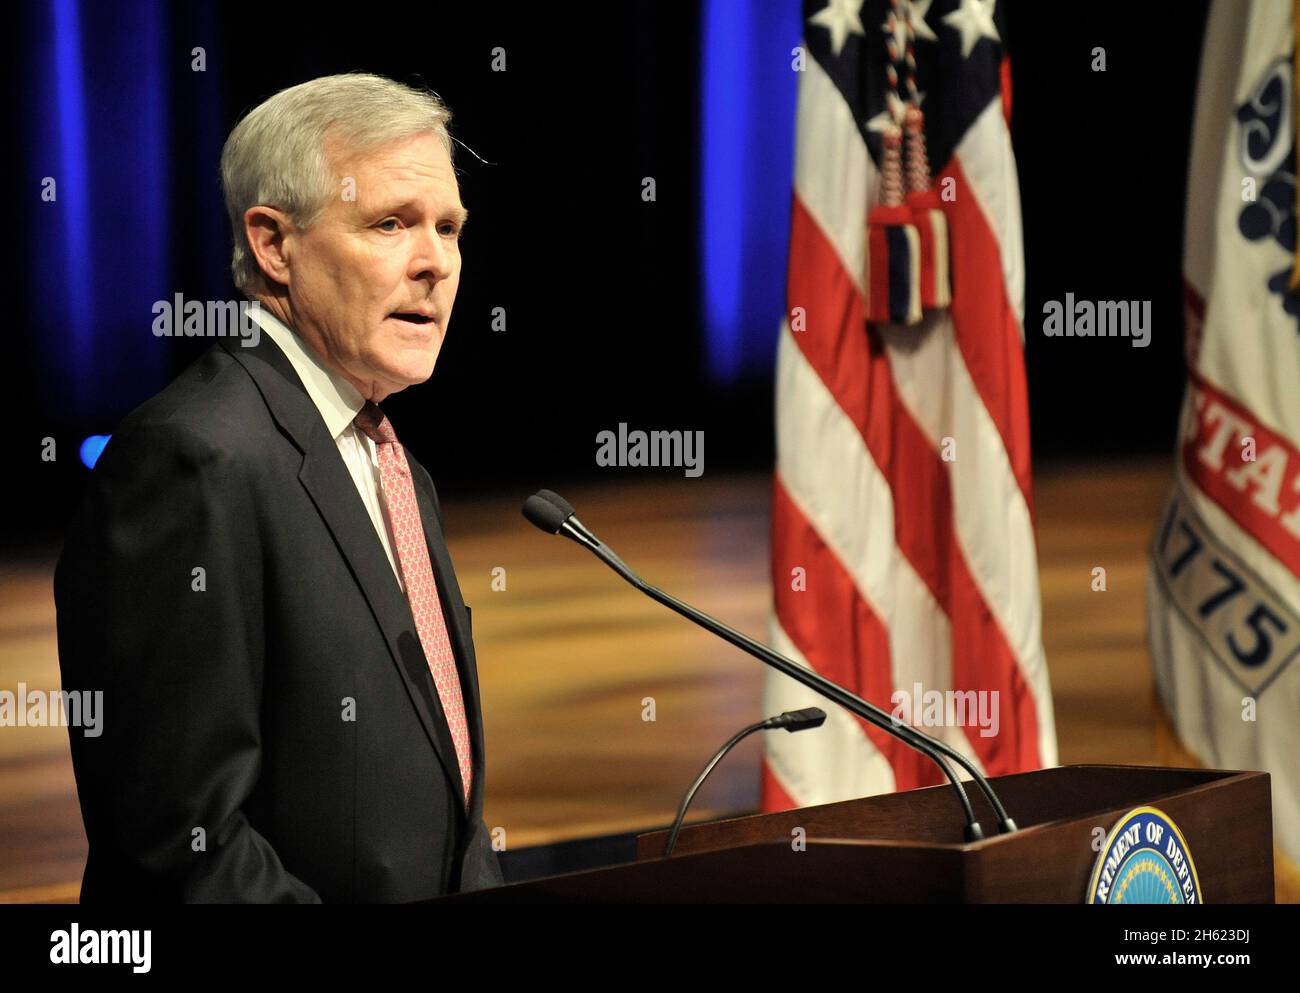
[(412, 317)]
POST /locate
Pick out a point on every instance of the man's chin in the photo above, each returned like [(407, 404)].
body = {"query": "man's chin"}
[(398, 378)]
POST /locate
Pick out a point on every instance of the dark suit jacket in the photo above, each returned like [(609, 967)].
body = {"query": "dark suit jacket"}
[(271, 730)]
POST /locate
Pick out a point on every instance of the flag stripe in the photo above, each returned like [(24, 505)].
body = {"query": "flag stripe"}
[(828, 474), (846, 642), (837, 760), (992, 522), (773, 794), (837, 197), (988, 173), (988, 332), (850, 359)]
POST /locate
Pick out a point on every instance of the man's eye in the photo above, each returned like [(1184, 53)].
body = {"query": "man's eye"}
[(449, 229), (391, 220)]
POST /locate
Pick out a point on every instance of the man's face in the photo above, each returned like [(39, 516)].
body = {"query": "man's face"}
[(371, 284)]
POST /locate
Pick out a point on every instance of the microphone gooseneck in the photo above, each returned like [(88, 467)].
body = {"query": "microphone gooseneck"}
[(550, 512), (791, 720)]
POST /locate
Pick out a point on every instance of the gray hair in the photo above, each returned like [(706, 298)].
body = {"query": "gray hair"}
[(276, 155)]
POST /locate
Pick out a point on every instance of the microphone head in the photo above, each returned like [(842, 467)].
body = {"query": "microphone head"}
[(544, 514), (802, 720), (550, 496)]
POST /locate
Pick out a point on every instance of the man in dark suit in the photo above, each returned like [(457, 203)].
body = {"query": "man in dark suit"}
[(258, 579)]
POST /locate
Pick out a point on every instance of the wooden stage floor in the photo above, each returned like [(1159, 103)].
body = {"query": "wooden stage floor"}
[(568, 652)]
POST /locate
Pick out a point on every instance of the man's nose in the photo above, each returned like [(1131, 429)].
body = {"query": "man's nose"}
[(433, 257)]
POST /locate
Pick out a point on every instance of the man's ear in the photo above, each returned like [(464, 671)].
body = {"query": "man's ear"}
[(268, 231)]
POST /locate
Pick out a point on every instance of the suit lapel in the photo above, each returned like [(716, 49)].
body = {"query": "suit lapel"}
[(332, 490)]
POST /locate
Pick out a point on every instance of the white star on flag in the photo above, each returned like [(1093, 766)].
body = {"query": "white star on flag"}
[(839, 17), (974, 19), (916, 13)]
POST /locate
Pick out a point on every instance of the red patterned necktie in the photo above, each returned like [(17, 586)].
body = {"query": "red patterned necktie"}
[(417, 574)]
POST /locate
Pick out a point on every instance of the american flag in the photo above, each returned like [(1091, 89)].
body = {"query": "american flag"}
[(903, 549)]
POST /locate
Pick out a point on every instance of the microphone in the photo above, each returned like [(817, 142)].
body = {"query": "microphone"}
[(552, 513), (791, 720), (797, 720), (555, 515)]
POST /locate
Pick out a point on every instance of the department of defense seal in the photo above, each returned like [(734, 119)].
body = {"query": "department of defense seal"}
[(1145, 860)]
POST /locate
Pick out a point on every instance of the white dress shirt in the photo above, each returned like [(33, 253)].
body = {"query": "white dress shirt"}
[(339, 402)]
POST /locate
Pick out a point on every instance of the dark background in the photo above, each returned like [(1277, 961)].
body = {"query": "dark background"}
[(602, 291)]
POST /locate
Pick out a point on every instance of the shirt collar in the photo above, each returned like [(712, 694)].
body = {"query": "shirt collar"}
[(337, 400)]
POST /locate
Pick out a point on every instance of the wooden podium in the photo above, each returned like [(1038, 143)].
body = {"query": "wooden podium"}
[(908, 848)]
